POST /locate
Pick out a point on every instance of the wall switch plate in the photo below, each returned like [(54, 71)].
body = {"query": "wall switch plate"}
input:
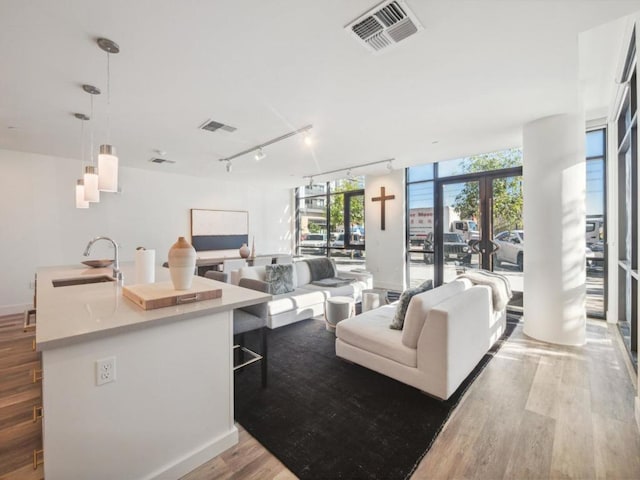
[(105, 370)]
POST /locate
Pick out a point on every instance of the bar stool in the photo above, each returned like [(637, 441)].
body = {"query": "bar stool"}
[(246, 319)]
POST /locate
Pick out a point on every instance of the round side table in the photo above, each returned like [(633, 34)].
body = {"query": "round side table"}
[(337, 309), (373, 298)]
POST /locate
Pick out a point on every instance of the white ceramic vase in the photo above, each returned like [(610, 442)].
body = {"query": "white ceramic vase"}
[(244, 251), (182, 264)]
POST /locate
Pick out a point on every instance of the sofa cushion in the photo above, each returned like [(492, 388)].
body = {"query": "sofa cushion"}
[(255, 273), (370, 331), (420, 306), (296, 300), (320, 268), (280, 278), (403, 303), (302, 274)]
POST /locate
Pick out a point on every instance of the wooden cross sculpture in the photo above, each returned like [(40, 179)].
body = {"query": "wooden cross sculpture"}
[(382, 199)]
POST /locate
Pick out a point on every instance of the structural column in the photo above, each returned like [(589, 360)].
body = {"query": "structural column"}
[(554, 220)]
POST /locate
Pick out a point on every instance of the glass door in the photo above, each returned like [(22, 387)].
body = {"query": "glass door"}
[(507, 229), (347, 225), (354, 218), (457, 231), (479, 226)]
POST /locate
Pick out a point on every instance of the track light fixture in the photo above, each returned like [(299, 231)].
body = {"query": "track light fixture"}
[(258, 148), (229, 166), (349, 170), (259, 155)]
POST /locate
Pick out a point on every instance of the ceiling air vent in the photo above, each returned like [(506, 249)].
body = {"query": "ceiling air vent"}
[(212, 126), (161, 160), (385, 25)]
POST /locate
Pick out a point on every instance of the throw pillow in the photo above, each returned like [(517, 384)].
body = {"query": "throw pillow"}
[(280, 278), (403, 303)]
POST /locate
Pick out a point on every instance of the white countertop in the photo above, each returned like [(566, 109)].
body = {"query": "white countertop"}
[(71, 314)]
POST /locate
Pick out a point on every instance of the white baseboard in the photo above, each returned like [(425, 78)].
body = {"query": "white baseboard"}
[(13, 309), (194, 459)]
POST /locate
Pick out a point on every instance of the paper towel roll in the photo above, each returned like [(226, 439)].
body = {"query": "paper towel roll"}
[(145, 266)]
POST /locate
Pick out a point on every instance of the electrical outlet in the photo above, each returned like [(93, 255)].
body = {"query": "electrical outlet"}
[(105, 370)]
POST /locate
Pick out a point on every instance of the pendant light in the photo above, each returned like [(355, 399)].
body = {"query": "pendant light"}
[(107, 159), (80, 201), (91, 192)]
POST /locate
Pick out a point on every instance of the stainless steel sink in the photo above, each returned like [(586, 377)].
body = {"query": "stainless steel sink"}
[(68, 282)]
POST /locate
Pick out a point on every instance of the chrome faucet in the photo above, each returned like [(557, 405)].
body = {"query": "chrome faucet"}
[(117, 274)]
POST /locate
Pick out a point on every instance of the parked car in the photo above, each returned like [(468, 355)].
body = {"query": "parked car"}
[(595, 255), (455, 248), (511, 248), (595, 250), (356, 239), (314, 243)]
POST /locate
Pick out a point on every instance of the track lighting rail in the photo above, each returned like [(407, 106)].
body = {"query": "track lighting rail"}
[(352, 168), (306, 128)]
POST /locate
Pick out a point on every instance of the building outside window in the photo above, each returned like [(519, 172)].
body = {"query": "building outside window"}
[(330, 221)]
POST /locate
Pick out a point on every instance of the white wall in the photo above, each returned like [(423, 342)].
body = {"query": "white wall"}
[(41, 226), (386, 248)]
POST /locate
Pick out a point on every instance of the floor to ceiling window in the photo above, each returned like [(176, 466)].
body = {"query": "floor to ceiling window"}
[(330, 221), (595, 233), (420, 223), (627, 211)]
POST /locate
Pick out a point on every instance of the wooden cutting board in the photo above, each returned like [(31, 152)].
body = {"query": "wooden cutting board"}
[(162, 294)]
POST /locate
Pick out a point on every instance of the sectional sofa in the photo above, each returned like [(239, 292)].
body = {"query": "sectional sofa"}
[(314, 281), (446, 332)]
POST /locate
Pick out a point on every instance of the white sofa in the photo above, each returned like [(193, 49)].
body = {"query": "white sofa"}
[(446, 332), (307, 300)]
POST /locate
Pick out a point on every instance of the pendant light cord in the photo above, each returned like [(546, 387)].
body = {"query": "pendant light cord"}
[(108, 100), (82, 145), (91, 120)]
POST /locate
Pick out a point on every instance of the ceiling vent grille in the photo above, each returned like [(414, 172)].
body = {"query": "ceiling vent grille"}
[(385, 25), (161, 160), (212, 126)]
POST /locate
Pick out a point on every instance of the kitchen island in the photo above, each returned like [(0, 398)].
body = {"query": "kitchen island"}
[(169, 407)]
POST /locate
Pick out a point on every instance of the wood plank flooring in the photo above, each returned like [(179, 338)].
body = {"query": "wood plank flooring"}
[(536, 411), (19, 435), (544, 411)]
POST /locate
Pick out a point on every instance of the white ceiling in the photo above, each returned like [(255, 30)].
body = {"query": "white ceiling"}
[(469, 81)]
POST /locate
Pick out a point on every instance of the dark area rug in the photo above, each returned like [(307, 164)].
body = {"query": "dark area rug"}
[(325, 418)]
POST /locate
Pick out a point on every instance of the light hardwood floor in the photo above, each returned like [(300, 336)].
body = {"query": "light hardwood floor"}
[(536, 411), (544, 411)]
